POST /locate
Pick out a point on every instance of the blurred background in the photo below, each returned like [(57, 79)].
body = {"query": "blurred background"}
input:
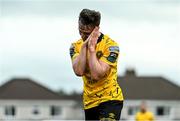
[(36, 78)]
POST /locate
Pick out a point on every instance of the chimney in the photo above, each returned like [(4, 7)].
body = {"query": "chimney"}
[(130, 72)]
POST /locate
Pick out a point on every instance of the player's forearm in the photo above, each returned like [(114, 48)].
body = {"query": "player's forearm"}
[(97, 71), (79, 63)]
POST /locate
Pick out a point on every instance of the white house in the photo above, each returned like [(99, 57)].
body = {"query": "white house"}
[(162, 96), (24, 99)]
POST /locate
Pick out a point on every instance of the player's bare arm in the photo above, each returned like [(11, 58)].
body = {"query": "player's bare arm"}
[(79, 63), (97, 68)]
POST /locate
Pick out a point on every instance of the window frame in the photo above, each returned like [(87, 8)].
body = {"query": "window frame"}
[(132, 110), (10, 110), (165, 110), (55, 110)]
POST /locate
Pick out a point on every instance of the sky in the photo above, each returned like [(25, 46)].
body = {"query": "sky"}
[(35, 36)]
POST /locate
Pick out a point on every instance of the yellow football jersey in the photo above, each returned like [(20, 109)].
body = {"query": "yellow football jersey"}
[(96, 92), (147, 116)]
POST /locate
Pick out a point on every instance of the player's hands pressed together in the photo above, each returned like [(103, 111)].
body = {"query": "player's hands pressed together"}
[(79, 64), (92, 39), (97, 68)]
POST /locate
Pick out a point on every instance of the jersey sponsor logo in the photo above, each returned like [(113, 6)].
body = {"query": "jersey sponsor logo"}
[(112, 57), (114, 49)]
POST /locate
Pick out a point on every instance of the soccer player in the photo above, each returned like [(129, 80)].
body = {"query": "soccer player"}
[(94, 58), (143, 114)]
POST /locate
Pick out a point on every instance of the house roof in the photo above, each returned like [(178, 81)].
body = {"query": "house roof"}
[(143, 87), (133, 87), (24, 88), (154, 88)]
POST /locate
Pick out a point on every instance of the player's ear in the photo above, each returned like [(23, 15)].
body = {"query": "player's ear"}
[(96, 28)]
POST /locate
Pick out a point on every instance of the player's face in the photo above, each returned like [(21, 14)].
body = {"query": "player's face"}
[(143, 108), (85, 31)]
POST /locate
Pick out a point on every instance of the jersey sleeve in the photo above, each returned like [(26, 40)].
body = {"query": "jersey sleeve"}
[(73, 51), (110, 54)]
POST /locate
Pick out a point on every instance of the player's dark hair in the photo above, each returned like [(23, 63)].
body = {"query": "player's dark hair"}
[(89, 17)]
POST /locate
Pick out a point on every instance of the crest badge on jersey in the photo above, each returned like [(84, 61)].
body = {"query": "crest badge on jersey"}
[(99, 54)]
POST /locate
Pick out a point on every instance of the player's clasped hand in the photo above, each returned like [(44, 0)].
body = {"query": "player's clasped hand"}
[(92, 39)]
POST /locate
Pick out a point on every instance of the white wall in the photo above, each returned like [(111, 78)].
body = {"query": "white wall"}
[(152, 105), (24, 108)]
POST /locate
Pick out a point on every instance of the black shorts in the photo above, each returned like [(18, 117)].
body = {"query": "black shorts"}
[(106, 111)]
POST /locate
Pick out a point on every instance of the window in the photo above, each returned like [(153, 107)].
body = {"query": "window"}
[(36, 110), (132, 110), (10, 110), (160, 111), (55, 110)]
